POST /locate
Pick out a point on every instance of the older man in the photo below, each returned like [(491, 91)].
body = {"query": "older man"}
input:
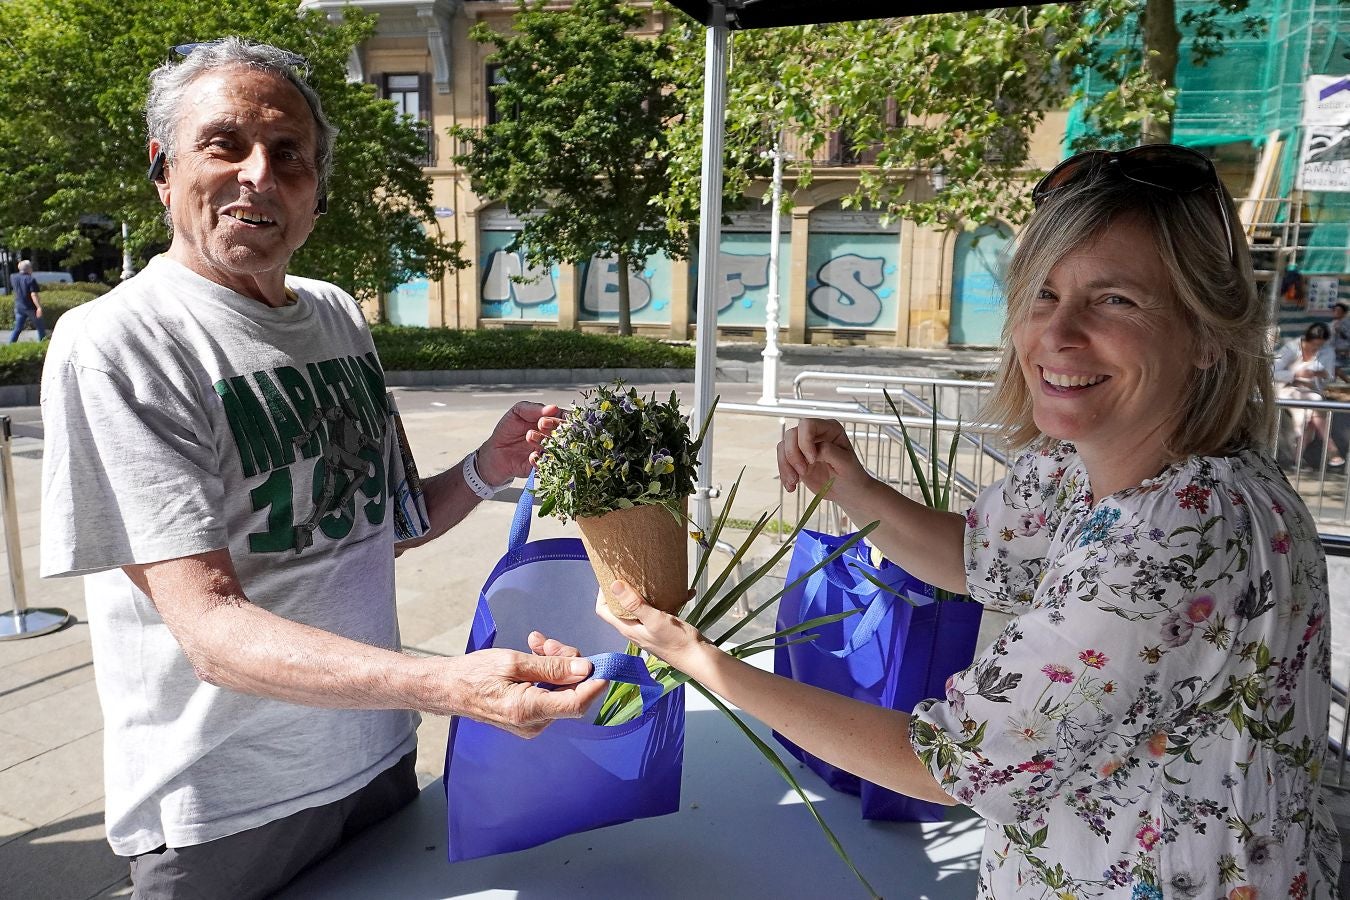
[(218, 466), (27, 303)]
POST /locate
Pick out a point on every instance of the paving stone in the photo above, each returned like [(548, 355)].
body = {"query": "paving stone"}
[(55, 784), (14, 749), (58, 719), (68, 858)]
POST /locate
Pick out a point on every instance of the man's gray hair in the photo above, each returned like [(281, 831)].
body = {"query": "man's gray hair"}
[(169, 83), (26, 266)]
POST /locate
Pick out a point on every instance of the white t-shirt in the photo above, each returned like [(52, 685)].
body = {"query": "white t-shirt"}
[(182, 417)]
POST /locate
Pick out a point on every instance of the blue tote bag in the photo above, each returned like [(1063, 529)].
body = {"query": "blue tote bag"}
[(505, 792), (892, 653)]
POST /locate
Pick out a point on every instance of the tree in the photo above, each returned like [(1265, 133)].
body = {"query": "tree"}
[(580, 153), (960, 92), (72, 140), (1140, 108)]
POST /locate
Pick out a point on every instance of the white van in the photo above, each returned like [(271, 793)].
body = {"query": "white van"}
[(46, 278)]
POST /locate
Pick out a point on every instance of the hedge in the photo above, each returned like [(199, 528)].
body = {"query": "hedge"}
[(22, 363), (54, 304), (430, 349)]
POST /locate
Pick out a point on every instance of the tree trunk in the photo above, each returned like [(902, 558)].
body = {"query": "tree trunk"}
[(625, 313), (1162, 40)]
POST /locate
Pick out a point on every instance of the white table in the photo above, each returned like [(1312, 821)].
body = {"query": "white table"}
[(740, 833)]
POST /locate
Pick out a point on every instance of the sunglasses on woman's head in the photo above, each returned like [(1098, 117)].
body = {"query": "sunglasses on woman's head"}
[(1165, 166)]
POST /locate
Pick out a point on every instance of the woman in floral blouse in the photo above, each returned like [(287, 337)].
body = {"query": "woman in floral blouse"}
[(1152, 721)]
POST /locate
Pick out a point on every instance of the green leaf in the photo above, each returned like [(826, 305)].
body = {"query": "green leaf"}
[(777, 764)]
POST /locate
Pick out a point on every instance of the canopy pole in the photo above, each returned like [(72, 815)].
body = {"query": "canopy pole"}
[(709, 246)]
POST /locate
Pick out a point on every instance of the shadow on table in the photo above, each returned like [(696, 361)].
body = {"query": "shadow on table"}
[(740, 832)]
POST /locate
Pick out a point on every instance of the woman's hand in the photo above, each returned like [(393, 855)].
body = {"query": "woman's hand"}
[(816, 451), (672, 639)]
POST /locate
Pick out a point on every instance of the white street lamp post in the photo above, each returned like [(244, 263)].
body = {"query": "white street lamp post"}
[(771, 352)]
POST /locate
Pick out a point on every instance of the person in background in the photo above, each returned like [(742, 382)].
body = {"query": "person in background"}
[(1152, 721), (1303, 366), (27, 302), (1340, 339), (219, 466)]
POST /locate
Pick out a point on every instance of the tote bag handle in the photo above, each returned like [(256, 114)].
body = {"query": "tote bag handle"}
[(629, 670), (520, 524), (872, 617)]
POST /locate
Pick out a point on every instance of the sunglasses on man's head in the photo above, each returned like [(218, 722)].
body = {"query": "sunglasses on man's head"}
[(291, 59), (1164, 166)]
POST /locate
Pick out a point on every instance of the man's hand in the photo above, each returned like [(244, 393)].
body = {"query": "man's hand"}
[(500, 687), (514, 444)]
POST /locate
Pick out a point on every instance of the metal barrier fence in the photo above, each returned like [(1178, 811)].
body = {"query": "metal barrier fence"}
[(1313, 436), (1312, 442)]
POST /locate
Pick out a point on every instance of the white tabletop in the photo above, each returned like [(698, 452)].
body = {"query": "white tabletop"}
[(741, 832)]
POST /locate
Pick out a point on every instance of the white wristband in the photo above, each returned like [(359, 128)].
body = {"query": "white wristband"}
[(476, 482)]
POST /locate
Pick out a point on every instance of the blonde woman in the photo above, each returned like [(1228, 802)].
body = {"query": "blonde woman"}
[(1151, 722)]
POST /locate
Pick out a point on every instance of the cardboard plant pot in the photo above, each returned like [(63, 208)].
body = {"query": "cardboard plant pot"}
[(644, 546)]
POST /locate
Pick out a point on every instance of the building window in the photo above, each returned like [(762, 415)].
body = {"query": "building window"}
[(495, 76), (411, 96), (406, 92)]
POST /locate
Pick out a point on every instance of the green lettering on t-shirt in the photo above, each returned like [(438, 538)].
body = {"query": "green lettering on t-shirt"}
[(257, 427), (234, 414), (374, 377), (322, 398), (288, 429), (370, 413), (302, 398)]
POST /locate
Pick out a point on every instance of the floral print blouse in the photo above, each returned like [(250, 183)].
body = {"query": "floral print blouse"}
[(1152, 721)]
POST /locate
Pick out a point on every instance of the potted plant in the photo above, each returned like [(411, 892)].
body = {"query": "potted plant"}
[(623, 467)]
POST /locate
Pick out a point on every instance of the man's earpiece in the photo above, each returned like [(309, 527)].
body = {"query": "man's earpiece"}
[(156, 173), (322, 206)]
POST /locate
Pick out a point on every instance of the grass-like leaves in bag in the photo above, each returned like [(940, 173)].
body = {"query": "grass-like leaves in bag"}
[(936, 485), (623, 702)]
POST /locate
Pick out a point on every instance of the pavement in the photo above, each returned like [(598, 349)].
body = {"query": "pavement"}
[(51, 794)]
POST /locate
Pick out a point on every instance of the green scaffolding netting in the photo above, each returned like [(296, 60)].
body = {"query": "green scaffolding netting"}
[(1253, 89)]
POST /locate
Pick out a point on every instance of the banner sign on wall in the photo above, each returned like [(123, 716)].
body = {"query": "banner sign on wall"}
[(1325, 160)]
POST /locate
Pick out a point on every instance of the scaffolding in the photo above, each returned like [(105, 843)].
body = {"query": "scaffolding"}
[(1247, 105)]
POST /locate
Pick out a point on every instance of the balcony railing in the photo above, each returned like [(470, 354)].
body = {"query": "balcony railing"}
[(428, 135)]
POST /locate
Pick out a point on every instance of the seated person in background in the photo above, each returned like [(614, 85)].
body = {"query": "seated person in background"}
[(1303, 366), (1153, 720), (1340, 339)]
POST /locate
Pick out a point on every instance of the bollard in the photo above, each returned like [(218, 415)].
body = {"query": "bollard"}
[(22, 622)]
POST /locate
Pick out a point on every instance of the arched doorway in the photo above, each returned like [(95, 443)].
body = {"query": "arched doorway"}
[(977, 285)]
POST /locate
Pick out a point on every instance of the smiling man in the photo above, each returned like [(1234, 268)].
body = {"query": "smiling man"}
[(221, 466)]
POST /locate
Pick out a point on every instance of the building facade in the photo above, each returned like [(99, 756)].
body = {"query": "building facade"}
[(843, 274)]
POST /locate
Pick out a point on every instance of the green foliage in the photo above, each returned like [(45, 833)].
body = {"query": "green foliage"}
[(54, 305), (72, 140), (962, 91), (436, 349), (1136, 49), (616, 450), (709, 610), (430, 349), (91, 288), (580, 153), (21, 363)]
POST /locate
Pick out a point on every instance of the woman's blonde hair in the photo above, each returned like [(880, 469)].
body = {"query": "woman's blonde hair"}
[(1229, 404)]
